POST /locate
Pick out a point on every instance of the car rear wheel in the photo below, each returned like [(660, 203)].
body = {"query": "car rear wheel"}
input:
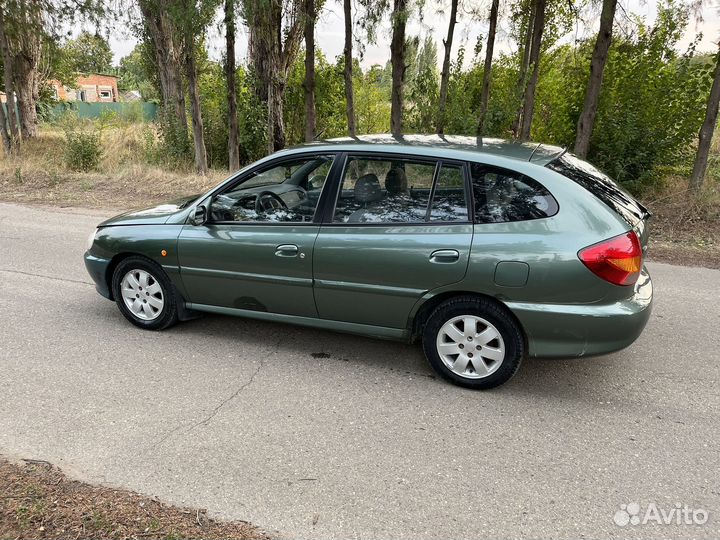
[(473, 342), (144, 294)]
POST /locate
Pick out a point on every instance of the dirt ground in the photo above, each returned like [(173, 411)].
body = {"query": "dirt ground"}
[(38, 501), (685, 231)]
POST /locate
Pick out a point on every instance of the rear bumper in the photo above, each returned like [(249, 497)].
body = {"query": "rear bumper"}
[(555, 330), (97, 268)]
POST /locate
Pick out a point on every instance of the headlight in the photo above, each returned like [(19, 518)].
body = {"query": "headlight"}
[(91, 240)]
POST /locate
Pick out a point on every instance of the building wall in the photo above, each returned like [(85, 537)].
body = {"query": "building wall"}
[(92, 88)]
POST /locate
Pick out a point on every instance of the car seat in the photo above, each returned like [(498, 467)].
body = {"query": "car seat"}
[(367, 190)]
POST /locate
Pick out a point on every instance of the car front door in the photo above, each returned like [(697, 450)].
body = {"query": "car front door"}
[(400, 228), (255, 250)]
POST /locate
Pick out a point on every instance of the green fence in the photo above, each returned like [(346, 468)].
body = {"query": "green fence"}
[(132, 109)]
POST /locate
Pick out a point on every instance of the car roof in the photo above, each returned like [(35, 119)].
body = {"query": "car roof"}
[(473, 147)]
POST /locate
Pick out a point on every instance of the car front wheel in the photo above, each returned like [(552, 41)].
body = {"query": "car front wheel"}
[(144, 294), (473, 342)]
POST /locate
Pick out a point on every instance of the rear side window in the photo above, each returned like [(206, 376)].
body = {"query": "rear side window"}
[(601, 185), (502, 196), (377, 190), (385, 190), (448, 202)]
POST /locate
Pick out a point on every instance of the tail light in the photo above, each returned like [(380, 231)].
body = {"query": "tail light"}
[(618, 260)]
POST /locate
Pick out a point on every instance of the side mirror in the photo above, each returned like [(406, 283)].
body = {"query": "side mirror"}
[(199, 215)]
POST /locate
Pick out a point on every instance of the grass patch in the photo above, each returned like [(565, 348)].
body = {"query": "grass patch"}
[(122, 179), (38, 501)]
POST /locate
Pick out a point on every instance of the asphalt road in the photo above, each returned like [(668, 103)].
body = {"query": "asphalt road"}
[(320, 435)]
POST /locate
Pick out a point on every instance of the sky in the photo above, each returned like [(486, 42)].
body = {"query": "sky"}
[(330, 37)]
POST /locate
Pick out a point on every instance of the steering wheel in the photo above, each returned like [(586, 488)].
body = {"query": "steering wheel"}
[(267, 200)]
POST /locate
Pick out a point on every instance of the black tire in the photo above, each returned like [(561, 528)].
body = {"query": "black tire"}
[(512, 337), (168, 313)]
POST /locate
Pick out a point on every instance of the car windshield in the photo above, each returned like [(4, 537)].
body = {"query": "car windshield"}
[(601, 185)]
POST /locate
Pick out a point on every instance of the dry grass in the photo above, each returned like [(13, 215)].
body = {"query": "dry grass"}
[(38, 501), (686, 229), (39, 175)]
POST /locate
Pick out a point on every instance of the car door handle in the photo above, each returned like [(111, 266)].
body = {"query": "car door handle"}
[(286, 250), (444, 256)]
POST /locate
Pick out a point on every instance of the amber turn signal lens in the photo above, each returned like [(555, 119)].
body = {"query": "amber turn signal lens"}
[(617, 260), (163, 253)]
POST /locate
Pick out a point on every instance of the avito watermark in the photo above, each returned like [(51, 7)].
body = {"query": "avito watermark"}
[(680, 514)]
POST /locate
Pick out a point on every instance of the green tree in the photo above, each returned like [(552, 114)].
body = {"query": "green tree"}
[(24, 29), (423, 89), (87, 53), (136, 72)]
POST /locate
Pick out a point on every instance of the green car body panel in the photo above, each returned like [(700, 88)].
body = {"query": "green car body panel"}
[(381, 279)]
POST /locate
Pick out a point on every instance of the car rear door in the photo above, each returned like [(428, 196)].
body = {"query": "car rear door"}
[(399, 228)]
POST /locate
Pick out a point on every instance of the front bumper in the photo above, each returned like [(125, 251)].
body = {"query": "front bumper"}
[(97, 268), (558, 331)]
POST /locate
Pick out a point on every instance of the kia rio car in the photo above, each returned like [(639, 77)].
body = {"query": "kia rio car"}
[(485, 250)]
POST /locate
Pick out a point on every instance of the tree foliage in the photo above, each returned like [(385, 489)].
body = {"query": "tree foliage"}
[(87, 53)]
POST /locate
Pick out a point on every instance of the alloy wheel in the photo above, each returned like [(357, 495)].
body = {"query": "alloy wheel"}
[(470, 346), (142, 294)]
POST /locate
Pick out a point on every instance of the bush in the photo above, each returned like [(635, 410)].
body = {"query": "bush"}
[(166, 143), (83, 142), (83, 150)]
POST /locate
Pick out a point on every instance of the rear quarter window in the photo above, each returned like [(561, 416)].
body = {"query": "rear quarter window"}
[(502, 195), (601, 185)]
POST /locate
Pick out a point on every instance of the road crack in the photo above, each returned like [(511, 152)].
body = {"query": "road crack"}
[(44, 276), (206, 420)]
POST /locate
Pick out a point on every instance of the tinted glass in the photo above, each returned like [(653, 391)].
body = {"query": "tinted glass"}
[(286, 192), (449, 202), (601, 185), (502, 195), (384, 191)]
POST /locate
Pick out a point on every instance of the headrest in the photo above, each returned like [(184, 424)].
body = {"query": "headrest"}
[(396, 181), (367, 189)]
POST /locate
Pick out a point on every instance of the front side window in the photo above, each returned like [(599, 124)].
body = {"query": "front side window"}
[(503, 196), (280, 193)]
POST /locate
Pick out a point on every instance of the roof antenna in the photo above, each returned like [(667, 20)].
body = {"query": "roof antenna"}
[(533, 152)]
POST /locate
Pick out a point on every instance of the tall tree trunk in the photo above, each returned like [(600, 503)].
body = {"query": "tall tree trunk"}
[(348, 72), (25, 51), (272, 49), (278, 113), (485, 94), (706, 132), (445, 76), (4, 130), (397, 58), (233, 130), (201, 165), (169, 62), (597, 68), (309, 84), (524, 65), (8, 70), (271, 118), (529, 100), (25, 80), (177, 93)]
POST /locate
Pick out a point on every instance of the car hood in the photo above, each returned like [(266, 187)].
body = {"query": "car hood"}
[(153, 215)]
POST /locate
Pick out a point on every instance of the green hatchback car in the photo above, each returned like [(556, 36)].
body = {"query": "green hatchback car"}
[(485, 250)]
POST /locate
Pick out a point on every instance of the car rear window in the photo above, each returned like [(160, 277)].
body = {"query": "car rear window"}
[(601, 185), (502, 195)]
